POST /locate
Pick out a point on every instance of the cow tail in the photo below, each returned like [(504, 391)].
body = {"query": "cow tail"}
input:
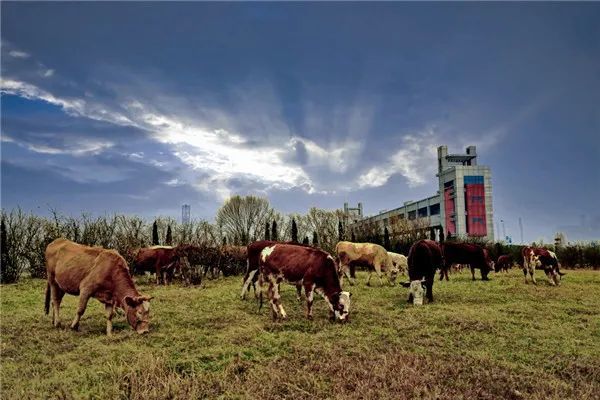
[(47, 303)]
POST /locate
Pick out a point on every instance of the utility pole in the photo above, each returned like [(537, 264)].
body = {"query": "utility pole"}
[(521, 228), (503, 229)]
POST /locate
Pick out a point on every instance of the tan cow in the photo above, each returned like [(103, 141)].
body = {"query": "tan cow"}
[(399, 260), (372, 256), (93, 272)]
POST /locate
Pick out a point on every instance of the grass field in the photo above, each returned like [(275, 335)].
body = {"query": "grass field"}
[(489, 340)]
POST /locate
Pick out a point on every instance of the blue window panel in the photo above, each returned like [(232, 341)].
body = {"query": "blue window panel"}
[(473, 179)]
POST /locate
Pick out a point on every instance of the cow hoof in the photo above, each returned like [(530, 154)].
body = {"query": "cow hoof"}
[(75, 328)]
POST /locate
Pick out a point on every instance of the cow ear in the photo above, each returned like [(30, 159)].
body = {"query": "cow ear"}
[(130, 301)]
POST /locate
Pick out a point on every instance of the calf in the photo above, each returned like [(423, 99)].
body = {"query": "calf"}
[(93, 272), (541, 258), (424, 257), (466, 253), (372, 256), (316, 270), (504, 263)]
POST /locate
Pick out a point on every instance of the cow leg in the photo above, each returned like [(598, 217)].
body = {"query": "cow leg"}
[(369, 278), (276, 299), (245, 287), (446, 274), (299, 291), (429, 288), (309, 289), (525, 274), (84, 297), (532, 274), (109, 309), (472, 273), (550, 276), (57, 295)]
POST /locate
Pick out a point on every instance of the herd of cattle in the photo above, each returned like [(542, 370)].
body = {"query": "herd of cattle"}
[(104, 274)]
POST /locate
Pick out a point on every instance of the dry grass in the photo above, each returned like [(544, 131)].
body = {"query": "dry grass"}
[(487, 340)]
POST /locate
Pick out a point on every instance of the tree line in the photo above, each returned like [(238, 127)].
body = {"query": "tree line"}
[(239, 221)]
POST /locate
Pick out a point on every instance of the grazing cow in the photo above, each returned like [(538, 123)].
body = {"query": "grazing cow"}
[(504, 263), (162, 260), (317, 271), (466, 253), (252, 266), (372, 256), (399, 261), (424, 257), (93, 272), (541, 258)]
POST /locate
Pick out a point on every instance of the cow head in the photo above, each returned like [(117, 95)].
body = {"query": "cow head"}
[(340, 303), (416, 291), (138, 312)]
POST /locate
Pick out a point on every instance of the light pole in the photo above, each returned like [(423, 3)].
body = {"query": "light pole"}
[(503, 229)]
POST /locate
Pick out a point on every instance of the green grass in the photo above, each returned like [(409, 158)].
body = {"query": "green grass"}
[(490, 340)]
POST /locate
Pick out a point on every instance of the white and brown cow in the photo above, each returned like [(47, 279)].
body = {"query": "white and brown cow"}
[(539, 258), (317, 271), (424, 257), (372, 256), (399, 261)]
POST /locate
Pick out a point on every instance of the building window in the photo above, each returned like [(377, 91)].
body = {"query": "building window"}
[(412, 214), (434, 209), (422, 212)]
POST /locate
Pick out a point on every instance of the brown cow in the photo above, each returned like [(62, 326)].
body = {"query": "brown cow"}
[(504, 263), (372, 256), (252, 266), (424, 257), (317, 271), (466, 253), (162, 260), (93, 272)]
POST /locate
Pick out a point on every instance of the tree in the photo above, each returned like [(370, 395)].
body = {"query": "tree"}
[(243, 217), (441, 236), (267, 231), (274, 231), (315, 241), (306, 241), (294, 231), (340, 231), (352, 237), (169, 238), (386, 239), (155, 234)]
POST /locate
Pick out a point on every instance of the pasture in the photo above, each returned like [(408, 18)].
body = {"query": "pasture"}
[(488, 340)]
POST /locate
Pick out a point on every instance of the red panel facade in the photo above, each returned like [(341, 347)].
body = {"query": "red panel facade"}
[(475, 207), (449, 210)]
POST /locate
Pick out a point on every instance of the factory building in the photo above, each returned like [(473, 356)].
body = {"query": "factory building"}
[(462, 206)]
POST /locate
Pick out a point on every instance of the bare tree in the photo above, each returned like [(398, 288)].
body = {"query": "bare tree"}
[(242, 218)]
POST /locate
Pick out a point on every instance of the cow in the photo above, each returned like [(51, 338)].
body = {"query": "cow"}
[(504, 263), (162, 260), (317, 271), (424, 257), (93, 272), (252, 266), (399, 260), (372, 256), (541, 258), (466, 253)]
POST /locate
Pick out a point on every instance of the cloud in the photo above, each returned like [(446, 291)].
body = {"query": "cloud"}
[(18, 54), (82, 147), (415, 161)]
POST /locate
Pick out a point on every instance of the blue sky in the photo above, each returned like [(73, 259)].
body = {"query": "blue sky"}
[(141, 107)]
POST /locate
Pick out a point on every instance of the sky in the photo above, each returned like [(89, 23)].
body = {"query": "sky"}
[(138, 108)]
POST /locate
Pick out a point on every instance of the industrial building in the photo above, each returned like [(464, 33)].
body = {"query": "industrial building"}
[(462, 206)]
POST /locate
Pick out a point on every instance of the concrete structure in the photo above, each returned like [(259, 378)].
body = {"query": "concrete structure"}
[(185, 214), (462, 206)]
